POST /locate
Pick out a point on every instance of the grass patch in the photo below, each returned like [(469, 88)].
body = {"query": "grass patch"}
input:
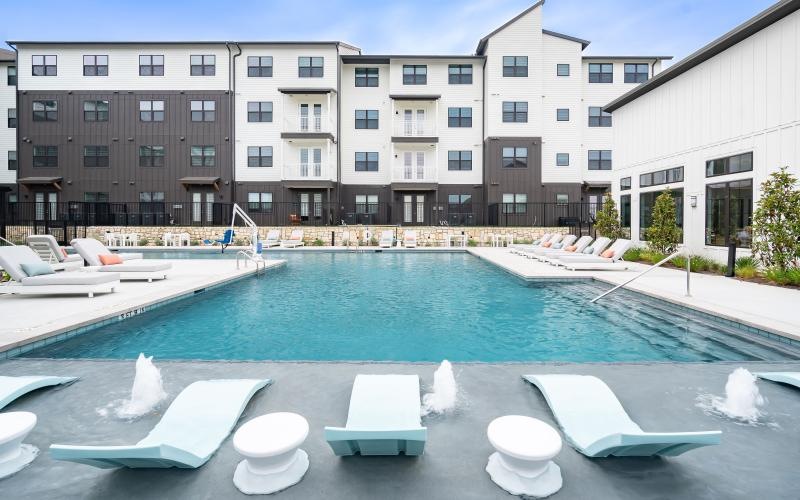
[(784, 277)]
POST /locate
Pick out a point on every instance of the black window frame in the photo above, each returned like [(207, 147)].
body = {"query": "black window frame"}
[(458, 117), (515, 114), (513, 67), (259, 111), (367, 77), (259, 69), (459, 203), (367, 161), (206, 65), (418, 74), (260, 206), (149, 66), (262, 159), (152, 115), (310, 70), (15, 160), (625, 210), (515, 160), (456, 74), (661, 177), (625, 184), (94, 114), (459, 160), (559, 157), (559, 68), (599, 163), (152, 156), (562, 114), (207, 157), (96, 156), (366, 122), (598, 117), (367, 206), (637, 75), (725, 162), (677, 195), (204, 114), (728, 212), (12, 120), (600, 75), (11, 80), (45, 114), (515, 207), (44, 69), (48, 157), (95, 66)]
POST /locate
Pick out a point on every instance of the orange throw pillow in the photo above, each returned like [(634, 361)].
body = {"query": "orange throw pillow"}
[(571, 248), (547, 244), (64, 251), (108, 259), (607, 254)]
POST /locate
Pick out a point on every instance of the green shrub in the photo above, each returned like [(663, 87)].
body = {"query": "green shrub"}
[(663, 235), (746, 267), (606, 221), (776, 222), (158, 242), (318, 243), (144, 242), (784, 277), (472, 243), (239, 242), (703, 264), (679, 262), (194, 243), (373, 242), (633, 255)]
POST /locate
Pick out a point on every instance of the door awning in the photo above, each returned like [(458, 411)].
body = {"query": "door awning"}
[(415, 97), (306, 90), (200, 181), (41, 181)]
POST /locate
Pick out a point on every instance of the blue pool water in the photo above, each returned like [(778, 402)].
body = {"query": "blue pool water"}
[(414, 307)]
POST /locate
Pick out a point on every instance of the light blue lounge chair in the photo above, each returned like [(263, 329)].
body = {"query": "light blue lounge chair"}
[(791, 378), (595, 423), (13, 387), (191, 430), (384, 418)]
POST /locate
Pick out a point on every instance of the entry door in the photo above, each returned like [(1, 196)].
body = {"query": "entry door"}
[(414, 209), (313, 122), (594, 203), (310, 204), (310, 162), (414, 122), (199, 208), (46, 202), (413, 165)]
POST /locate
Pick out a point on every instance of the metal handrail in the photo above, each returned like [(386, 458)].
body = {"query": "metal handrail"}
[(248, 257), (657, 264)]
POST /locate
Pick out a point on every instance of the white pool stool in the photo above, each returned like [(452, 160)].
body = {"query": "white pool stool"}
[(522, 464), (273, 461), (14, 427)]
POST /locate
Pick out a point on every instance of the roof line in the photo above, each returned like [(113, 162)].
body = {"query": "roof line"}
[(483, 41), (660, 58), (743, 31), (584, 43), (180, 42)]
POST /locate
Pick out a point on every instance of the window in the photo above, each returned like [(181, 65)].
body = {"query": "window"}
[(95, 156), (367, 118), (203, 65), (151, 202), (366, 161), (598, 117), (636, 73), (366, 203), (562, 69), (45, 156), (205, 111), (515, 203), (515, 111), (515, 65), (151, 65), (730, 165), (515, 157), (562, 199), (601, 73), (43, 66), (259, 156), (45, 111), (12, 75), (259, 66), (625, 184), (459, 117), (95, 197), (459, 160), (95, 111), (203, 156), (12, 117), (259, 202), (259, 111), (95, 65), (660, 177), (310, 67), (625, 210), (459, 203), (729, 213), (646, 203), (151, 111), (151, 156), (562, 114), (562, 159), (415, 74), (459, 74), (366, 77), (12, 160), (599, 159)]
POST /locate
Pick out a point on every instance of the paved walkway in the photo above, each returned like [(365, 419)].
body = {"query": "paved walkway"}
[(770, 308)]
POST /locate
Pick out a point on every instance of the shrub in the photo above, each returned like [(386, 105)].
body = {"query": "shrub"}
[(679, 262), (194, 242), (606, 221), (158, 242), (239, 242), (318, 243), (144, 242), (373, 242), (472, 243), (746, 267), (784, 276), (633, 255), (776, 222), (663, 235)]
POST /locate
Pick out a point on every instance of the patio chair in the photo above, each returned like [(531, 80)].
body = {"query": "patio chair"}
[(789, 378), (273, 238), (13, 387), (387, 239), (608, 260), (48, 249), (101, 259), (410, 238), (295, 239)]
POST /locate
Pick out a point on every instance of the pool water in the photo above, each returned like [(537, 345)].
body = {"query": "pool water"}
[(414, 307)]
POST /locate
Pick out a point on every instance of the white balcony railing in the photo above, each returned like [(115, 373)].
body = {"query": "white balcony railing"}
[(310, 171), (310, 124), (414, 128), (413, 173)]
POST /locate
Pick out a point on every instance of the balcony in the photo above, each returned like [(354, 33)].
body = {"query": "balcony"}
[(307, 127), (414, 131), (416, 174)]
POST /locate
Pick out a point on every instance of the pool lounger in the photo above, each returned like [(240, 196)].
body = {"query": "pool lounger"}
[(13, 387), (384, 418), (191, 430), (46, 246), (790, 378), (295, 239), (542, 256), (597, 247), (132, 268), (12, 258), (598, 263), (520, 248), (565, 242), (387, 239), (595, 423), (273, 239)]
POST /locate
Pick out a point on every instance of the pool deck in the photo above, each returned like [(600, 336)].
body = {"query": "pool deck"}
[(769, 308), (28, 319), (751, 462)]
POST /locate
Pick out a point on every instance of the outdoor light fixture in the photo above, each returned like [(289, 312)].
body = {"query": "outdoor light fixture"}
[(693, 201)]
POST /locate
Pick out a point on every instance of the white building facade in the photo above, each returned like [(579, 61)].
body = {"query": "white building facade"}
[(8, 126)]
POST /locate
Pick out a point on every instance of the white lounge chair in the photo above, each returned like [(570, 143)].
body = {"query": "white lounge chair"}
[(131, 268), (577, 246), (521, 247), (13, 258), (273, 239), (789, 378), (599, 245), (599, 263), (13, 387), (295, 239), (410, 238), (565, 242), (48, 249), (387, 239)]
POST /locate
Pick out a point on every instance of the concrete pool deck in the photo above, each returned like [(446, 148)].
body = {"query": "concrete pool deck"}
[(27, 319), (751, 462)]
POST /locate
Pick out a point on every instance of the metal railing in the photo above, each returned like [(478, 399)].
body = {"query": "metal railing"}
[(414, 173), (543, 214), (657, 264), (414, 128), (308, 170)]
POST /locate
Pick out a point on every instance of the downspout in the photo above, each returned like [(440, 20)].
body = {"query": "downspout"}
[(232, 99), (17, 134), (338, 131), (484, 145)]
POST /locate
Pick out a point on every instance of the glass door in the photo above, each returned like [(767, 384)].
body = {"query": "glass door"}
[(408, 208), (420, 208), (304, 117), (197, 207), (407, 167), (420, 166), (317, 117), (420, 122), (408, 122)]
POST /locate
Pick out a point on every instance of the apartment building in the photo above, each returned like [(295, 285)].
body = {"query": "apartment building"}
[(8, 126), (712, 128), (320, 129)]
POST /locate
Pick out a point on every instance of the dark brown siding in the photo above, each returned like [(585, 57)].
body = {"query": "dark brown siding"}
[(124, 133)]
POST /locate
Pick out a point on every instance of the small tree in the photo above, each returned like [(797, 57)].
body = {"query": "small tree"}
[(606, 220), (776, 221), (663, 235)]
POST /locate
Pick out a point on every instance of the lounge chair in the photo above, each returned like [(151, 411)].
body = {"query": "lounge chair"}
[(595, 249), (295, 239), (575, 248), (13, 387), (384, 418), (48, 249), (410, 238), (191, 430), (610, 259), (387, 239), (565, 242), (520, 247), (790, 378), (595, 423), (273, 239), (14, 259), (130, 269), (227, 239)]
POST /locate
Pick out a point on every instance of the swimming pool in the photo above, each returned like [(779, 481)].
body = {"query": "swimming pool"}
[(393, 306)]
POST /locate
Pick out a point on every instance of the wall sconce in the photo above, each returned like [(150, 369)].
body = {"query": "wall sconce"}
[(693, 201)]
